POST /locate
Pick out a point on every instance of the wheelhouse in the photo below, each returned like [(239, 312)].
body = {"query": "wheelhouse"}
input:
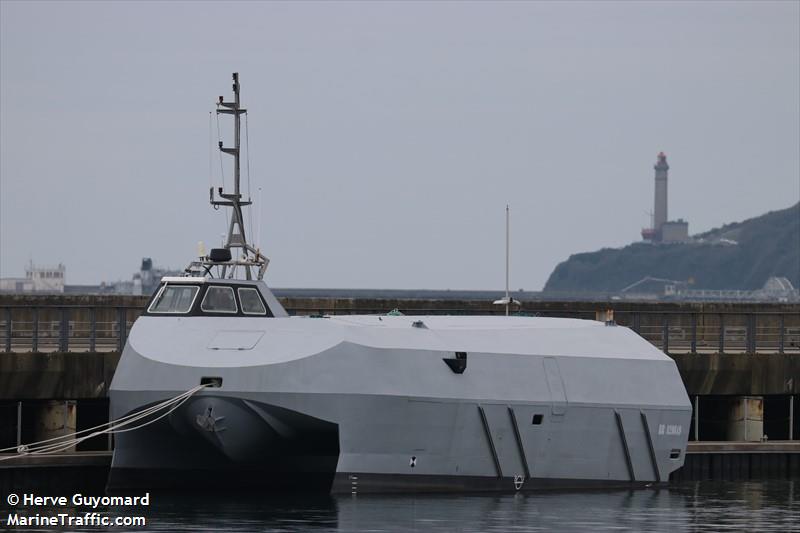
[(199, 296)]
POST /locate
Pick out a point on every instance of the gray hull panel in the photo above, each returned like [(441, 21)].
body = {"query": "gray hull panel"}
[(287, 441)]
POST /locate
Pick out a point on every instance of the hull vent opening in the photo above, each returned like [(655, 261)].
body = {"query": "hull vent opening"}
[(212, 382), (457, 364)]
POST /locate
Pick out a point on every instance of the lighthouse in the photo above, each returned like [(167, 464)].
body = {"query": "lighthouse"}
[(664, 230), (660, 205)]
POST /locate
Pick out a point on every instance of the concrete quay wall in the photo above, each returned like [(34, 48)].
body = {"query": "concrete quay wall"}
[(56, 375)]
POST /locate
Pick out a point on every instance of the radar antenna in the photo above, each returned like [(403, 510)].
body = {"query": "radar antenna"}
[(250, 257)]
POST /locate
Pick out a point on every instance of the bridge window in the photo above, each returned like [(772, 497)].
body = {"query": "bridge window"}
[(251, 302), (174, 299), (219, 300)]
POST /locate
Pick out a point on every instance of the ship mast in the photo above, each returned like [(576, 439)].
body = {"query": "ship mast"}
[(507, 300), (250, 257)]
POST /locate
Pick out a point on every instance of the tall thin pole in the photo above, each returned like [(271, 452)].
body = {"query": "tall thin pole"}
[(236, 135), (19, 424), (508, 253), (260, 214)]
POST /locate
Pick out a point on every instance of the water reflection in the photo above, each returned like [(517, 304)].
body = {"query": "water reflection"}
[(692, 506), (699, 506)]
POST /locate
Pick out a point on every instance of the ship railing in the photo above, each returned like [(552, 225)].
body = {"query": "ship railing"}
[(44, 327)]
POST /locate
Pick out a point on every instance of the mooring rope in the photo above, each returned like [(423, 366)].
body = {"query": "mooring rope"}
[(120, 425)]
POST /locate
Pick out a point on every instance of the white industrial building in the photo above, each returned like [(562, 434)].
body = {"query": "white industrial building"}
[(47, 279)]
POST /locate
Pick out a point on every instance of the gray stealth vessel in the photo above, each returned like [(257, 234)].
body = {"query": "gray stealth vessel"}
[(381, 403)]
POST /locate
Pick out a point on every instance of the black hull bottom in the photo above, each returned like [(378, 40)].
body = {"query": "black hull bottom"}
[(223, 444), (134, 481), (408, 483)]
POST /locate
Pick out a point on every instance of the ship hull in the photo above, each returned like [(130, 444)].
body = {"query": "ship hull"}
[(313, 411), (269, 442)]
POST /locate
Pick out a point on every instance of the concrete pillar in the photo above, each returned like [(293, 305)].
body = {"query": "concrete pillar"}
[(55, 418), (746, 419), (697, 417), (606, 315)]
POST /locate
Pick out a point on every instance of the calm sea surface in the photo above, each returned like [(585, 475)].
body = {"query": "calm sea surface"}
[(695, 506)]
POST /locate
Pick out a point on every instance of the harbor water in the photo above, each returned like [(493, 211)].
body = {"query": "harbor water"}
[(696, 506)]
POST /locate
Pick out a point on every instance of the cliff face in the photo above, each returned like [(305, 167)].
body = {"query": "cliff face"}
[(741, 255)]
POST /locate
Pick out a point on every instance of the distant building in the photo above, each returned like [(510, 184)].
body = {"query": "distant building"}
[(651, 288), (144, 282), (664, 230), (49, 279), (776, 289), (780, 289), (675, 231)]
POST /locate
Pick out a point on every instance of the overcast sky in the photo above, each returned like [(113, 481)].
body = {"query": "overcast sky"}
[(388, 137)]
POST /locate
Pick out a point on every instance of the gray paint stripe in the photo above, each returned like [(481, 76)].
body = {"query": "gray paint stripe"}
[(650, 446), (519, 442), (488, 432), (625, 445)]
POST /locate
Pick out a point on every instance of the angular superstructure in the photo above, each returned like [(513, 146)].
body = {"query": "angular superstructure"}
[(391, 403), (380, 403)]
